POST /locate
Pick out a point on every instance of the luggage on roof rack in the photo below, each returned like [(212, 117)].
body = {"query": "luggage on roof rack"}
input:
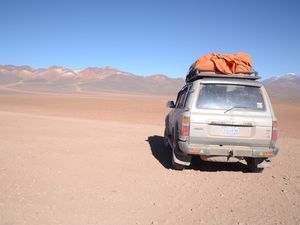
[(237, 65)]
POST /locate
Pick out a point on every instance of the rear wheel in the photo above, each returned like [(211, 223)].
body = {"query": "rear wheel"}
[(166, 140), (252, 164)]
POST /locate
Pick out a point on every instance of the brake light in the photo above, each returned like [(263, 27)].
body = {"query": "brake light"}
[(185, 127), (274, 131)]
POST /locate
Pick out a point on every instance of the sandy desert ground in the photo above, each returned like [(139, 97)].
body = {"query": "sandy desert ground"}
[(100, 160)]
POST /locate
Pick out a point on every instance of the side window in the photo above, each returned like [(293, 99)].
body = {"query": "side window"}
[(179, 97), (182, 98)]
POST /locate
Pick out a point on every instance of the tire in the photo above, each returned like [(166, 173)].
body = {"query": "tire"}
[(166, 140), (252, 164)]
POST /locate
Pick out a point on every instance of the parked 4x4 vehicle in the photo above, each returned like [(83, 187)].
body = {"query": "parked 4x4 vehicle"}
[(222, 118)]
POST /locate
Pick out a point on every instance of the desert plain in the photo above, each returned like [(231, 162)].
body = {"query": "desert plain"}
[(99, 159)]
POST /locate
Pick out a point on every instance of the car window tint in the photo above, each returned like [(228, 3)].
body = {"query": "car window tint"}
[(182, 98), (224, 96), (178, 97)]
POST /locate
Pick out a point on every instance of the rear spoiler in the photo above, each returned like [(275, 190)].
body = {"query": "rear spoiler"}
[(197, 74)]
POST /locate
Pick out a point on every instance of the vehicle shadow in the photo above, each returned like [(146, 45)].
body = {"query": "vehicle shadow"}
[(159, 151), (163, 155)]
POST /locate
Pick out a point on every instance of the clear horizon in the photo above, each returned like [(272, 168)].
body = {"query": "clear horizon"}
[(149, 37), (182, 76)]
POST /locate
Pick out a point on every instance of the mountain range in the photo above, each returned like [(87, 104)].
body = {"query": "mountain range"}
[(283, 87), (92, 79), (98, 79)]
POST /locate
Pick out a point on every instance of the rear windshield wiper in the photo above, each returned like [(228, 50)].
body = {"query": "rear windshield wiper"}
[(236, 107)]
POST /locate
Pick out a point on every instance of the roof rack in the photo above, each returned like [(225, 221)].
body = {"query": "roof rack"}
[(197, 74)]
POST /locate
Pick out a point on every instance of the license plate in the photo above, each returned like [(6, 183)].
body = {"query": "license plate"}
[(231, 131)]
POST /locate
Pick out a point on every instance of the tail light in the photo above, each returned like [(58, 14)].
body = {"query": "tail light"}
[(274, 131), (185, 127)]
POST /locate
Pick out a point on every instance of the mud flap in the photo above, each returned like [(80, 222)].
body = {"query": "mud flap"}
[(264, 164), (178, 161), (179, 157)]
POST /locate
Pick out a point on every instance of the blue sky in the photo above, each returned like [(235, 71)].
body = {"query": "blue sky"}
[(149, 37)]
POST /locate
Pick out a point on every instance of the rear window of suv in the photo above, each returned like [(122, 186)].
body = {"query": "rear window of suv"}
[(227, 96)]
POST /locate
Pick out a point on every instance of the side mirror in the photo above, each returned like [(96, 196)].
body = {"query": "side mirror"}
[(170, 104)]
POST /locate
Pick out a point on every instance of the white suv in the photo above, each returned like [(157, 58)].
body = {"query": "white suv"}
[(222, 118)]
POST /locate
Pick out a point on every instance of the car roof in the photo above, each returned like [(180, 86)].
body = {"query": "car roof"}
[(243, 82)]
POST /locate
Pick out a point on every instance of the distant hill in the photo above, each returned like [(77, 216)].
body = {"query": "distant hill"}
[(283, 87), (95, 79)]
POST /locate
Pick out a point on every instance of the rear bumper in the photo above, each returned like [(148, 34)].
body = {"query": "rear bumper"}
[(227, 150)]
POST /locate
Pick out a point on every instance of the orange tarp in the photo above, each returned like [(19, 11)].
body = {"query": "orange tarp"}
[(232, 64)]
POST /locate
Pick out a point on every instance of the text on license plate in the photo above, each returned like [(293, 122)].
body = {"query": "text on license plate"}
[(231, 131)]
